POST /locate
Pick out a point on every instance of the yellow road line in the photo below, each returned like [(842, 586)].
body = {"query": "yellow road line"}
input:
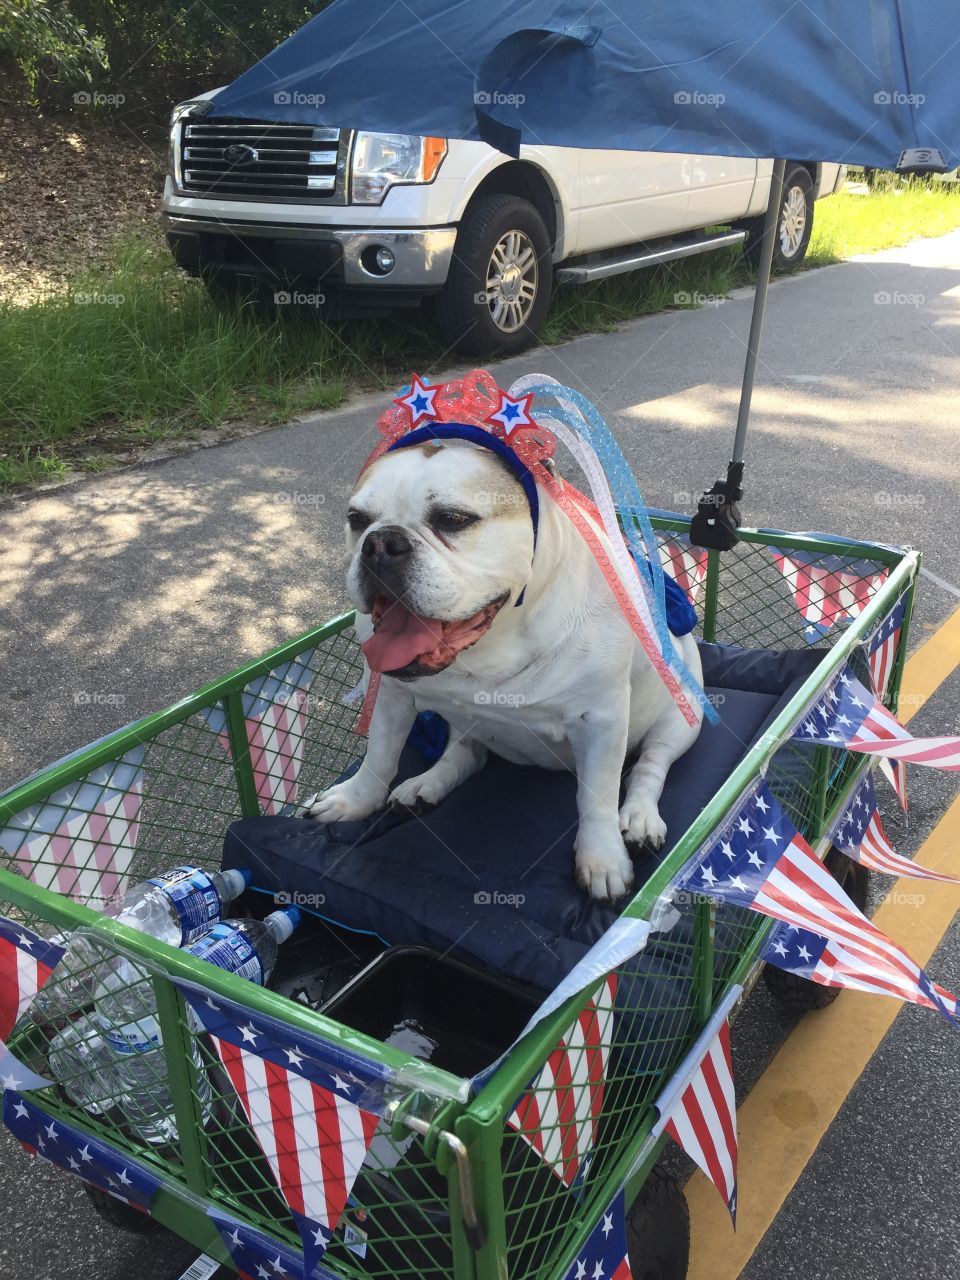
[(787, 1112)]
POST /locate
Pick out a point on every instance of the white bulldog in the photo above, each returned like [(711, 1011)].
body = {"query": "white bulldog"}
[(439, 547)]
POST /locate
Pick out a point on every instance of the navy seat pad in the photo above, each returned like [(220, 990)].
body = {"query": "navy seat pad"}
[(488, 874)]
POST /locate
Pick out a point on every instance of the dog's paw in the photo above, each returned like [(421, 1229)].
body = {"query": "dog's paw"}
[(606, 873), (641, 823), (344, 802), (416, 794)]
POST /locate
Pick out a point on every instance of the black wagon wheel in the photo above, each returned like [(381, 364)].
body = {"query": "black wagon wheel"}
[(658, 1229)]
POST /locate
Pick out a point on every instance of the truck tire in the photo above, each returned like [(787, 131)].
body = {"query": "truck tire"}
[(658, 1229), (498, 290), (794, 992), (794, 227), (121, 1215)]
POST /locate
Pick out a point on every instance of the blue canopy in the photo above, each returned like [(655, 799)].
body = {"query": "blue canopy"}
[(869, 82)]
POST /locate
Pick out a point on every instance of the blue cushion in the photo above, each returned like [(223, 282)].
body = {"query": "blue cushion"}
[(488, 874)]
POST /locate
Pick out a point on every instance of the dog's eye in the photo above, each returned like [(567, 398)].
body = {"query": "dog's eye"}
[(448, 520), (358, 520)]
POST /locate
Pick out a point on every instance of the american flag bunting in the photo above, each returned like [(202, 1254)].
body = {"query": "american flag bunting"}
[(82, 839), (759, 860), (604, 1255), (698, 1108), (831, 964), (91, 1159), (275, 713), (686, 564), (559, 1113), (849, 716), (258, 1256), (882, 647), (828, 589), (859, 833), (313, 1107), (26, 962)]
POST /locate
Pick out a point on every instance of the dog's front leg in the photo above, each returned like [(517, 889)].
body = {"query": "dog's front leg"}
[(364, 793), (599, 743), (460, 759)]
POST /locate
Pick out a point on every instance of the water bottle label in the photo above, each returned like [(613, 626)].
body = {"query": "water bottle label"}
[(142, 1036), (194, 899), (227, 948)]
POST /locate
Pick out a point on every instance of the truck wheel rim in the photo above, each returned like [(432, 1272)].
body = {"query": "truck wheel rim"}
[(511, 286), (793, 221)]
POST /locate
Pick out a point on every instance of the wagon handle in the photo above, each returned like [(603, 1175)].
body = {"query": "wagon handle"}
[(471, 1222)]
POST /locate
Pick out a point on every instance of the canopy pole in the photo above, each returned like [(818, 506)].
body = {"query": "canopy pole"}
[(718, 516)]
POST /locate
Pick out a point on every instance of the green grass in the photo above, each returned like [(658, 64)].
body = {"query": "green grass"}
[(135, 353)]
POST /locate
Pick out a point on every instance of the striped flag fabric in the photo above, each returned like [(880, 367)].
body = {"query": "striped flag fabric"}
[(26, 962), (849, 716), (830, 964), (559, 1113), (882, 647), (759, 860), (828, 589), (698, 1108), (92, 1159), (313, 1108), (275, 712), (82, 839), (604, 1256), (895, 772), (255, 1255), (687, 565), (859, 833)]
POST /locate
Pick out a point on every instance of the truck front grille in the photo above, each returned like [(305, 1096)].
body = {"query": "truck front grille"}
[(257, 160)]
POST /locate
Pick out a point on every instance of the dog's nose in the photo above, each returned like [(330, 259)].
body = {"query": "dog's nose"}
[(386, 547)]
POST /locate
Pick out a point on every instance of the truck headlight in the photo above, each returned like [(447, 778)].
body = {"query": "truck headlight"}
[(382, 159), (179, 111)]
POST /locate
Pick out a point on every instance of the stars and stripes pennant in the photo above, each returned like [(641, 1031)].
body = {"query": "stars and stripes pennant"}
[(26, 962), (91, 1159), (559, 1113), (759, 860), (604, 1256), (831, 964), (849, 716), (687, 565), (313, 1107), (859, 833), (826, 588), (882, 647), (698, 1108), (275, 712), (81, 840), (895, 772), (256, 1255)]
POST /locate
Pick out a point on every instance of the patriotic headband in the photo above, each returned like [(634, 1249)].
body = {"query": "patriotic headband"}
[(475, 409)]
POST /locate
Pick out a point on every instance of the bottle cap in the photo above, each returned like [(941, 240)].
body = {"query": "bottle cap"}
[(284, 922), (237, 878)]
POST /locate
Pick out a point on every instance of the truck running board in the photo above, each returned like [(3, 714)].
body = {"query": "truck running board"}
[(599, 266)]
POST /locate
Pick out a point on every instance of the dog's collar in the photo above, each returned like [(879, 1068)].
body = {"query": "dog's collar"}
[(486, 440)]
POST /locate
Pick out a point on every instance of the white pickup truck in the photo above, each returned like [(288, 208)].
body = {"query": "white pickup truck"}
[(363, 223)]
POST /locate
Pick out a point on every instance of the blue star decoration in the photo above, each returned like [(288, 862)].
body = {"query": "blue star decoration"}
[(92, 1159), (419, 400), (257, 1255), (604, 1255), (511, 413)]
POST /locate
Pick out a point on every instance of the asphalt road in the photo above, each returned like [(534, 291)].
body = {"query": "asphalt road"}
[(122, 593)]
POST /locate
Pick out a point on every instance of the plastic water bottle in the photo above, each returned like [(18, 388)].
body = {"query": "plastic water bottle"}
[(126, 1015), (177, 907), (81, 1063), (247, 948)]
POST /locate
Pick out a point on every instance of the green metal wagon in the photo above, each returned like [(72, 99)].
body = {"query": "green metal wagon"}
[(449, 1187)]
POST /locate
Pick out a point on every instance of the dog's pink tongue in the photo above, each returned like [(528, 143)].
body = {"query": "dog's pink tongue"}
[(400, 638)]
